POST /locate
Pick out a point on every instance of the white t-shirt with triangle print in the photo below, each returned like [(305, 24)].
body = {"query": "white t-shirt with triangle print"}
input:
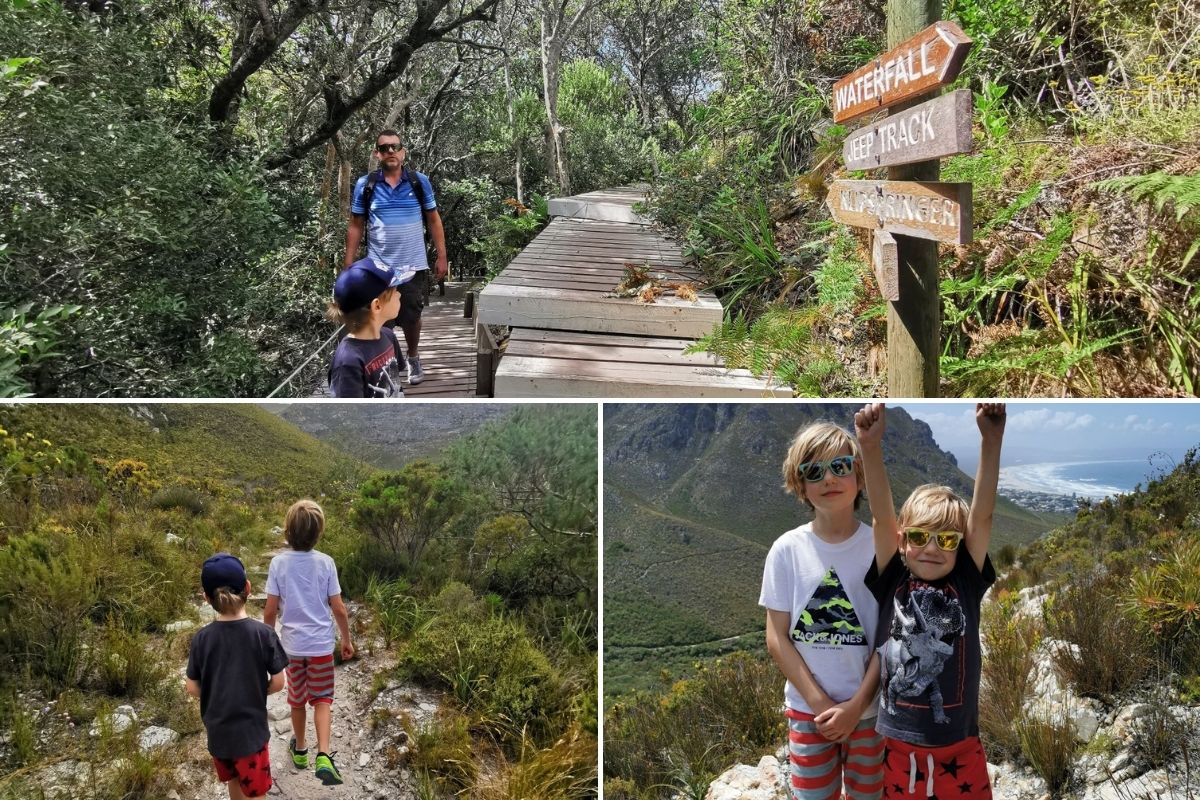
[(833, 614)]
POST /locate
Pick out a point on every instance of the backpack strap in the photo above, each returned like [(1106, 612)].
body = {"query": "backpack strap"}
[(418, 188), (368, 195)]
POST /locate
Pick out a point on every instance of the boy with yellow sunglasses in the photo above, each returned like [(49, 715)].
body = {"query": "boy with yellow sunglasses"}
[(930, 573)]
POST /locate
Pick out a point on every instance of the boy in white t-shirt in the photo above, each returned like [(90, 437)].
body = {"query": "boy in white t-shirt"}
[(821, 622), (303, 591)]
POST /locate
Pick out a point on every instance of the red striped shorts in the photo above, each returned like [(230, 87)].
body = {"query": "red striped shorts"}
[(821, 769), (310, 680)]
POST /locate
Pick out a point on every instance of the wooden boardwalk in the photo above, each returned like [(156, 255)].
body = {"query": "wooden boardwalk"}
[(571, 337)]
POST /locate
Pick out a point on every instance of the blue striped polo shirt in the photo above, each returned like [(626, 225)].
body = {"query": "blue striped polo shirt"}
[(395, 235)]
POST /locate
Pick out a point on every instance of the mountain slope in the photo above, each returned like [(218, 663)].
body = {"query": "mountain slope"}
[(389, 435)]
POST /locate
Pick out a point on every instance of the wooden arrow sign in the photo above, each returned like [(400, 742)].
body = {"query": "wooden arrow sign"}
[(938, 211), (939, 127), (927, 61)]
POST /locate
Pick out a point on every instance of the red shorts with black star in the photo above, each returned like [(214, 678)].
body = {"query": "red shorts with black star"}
[(253, 772), (954, 772)]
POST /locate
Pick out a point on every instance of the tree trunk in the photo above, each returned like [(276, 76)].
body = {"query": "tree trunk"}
[(556, 158), (512, 125)]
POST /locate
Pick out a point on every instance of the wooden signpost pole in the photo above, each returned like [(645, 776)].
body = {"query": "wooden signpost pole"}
[(914, 321)]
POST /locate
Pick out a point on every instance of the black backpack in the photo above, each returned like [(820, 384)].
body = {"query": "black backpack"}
[(418, 189)]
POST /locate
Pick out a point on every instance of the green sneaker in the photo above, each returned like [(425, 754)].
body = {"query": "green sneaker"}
[(299, 757), (326, 771)]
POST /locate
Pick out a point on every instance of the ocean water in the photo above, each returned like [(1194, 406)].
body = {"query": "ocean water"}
[(1094, 479)]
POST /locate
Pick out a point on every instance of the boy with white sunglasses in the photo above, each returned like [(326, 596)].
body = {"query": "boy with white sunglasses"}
[(930, 573), (821, 622)]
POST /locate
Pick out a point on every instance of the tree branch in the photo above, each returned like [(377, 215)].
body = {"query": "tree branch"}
[(422, 32)]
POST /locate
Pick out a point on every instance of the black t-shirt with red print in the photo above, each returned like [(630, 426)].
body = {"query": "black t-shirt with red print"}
[(366, 367)]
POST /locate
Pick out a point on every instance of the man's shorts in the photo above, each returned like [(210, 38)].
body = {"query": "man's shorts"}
[(412, 297), (309, 680), (253, 772), (821, 769), (953, 772)]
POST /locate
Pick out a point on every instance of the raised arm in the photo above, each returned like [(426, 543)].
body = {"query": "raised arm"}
[(791, 663), (990, 417), (868, 428)]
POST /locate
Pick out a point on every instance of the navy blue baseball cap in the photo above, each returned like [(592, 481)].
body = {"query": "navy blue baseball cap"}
[(363, 281), (220, 570)]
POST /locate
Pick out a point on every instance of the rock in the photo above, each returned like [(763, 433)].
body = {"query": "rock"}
[(173, 539), (1122, 727), (155, 737), (364, 759), (173, 795), (279, 713), (207, 613), (63, 780), (743, 782), (1120, 761), (122, 719), (283, 726), (277, 531), (179, 625), (1010, 782), (427, 707)]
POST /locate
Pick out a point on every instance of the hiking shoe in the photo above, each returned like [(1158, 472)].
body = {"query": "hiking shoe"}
[(326, 771), (415, 373), (299, 757)]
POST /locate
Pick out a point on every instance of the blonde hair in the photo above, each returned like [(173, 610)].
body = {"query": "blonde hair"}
[(303, 525), (935, 508), (819, 441), (356, 320), (226, 601)]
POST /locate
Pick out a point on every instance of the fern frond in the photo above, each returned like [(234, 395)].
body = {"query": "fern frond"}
[(1182, 191)]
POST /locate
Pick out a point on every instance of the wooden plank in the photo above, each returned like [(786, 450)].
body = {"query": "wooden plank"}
[(927, 210), (885, 260), (917, 66), (533, 307), (936, 128), (602, 340), (619, 355), (537, 377)]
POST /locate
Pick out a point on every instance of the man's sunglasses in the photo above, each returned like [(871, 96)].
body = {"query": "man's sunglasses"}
[(946, 540), (389, 148), (813, 471)]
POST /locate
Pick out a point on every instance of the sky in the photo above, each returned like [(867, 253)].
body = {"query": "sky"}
[(1041, 432)]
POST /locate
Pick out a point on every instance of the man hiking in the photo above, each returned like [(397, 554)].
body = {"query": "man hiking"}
[(401, 207)]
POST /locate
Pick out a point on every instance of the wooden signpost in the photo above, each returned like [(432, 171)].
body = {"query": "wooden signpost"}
[(912, 203), (926, 62), (939, 127), (937, 211)]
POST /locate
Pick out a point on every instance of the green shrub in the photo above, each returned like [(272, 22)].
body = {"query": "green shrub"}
[(1049, 746), (180, 497), (397, 612), (729, 712), (50, 590), (444, 750), (494, 670), (125, 662), (1006, 678), (1166, 596), (1112, 644), (563, 771)]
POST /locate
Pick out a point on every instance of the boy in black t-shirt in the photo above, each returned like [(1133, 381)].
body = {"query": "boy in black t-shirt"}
[(366, 362), (233, 664), (930, 573)]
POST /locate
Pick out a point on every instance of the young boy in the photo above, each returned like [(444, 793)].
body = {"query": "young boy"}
[(366, 362), (233, 664), (930, 573), (821, 623), (303, 591)]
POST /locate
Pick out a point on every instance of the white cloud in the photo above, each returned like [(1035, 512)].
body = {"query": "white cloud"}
[(1045, 419)]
